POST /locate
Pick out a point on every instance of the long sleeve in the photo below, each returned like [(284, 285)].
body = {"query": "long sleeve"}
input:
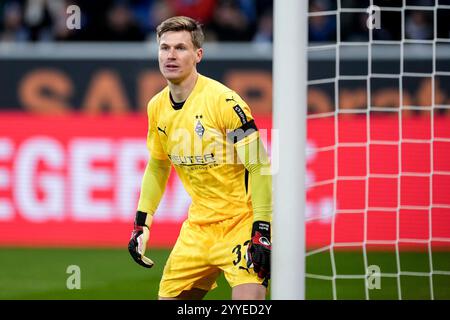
[(153, 185), (254, 157)]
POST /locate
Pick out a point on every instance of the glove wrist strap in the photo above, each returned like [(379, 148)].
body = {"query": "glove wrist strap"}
[(140, 219), (263, 227)]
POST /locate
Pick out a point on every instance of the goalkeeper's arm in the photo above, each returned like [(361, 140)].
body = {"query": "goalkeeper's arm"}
[(255, 159), (152, 189)]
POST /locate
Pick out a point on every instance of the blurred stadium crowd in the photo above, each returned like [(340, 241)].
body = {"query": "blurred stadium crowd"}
[(418, 23), (224, 20), (133, 20)]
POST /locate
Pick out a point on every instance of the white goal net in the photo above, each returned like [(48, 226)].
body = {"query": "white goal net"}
[(378, 175)]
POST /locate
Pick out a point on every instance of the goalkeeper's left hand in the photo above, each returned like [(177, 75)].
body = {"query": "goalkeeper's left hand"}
[(138, 241), (259, 248)]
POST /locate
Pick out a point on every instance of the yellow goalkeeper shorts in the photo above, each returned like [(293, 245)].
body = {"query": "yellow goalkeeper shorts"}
[(202, 252)]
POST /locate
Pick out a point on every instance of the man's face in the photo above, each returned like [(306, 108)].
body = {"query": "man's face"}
[(177, 55)]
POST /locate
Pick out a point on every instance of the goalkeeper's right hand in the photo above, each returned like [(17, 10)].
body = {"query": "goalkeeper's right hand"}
[(138, 241)]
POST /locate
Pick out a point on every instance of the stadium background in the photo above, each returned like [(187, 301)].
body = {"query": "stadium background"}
[(72, 146)]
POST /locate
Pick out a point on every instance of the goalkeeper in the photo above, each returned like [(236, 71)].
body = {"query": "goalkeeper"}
[(206, 131)]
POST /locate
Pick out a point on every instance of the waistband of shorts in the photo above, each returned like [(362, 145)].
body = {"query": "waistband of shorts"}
[(241, 216)]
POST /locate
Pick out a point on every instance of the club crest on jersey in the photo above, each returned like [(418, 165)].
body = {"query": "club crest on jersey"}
[(199, 129)]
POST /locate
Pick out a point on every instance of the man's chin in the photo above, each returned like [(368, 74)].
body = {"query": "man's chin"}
[(173, 78)]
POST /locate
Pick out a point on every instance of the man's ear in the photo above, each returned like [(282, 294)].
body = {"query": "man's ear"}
[(199, 55)]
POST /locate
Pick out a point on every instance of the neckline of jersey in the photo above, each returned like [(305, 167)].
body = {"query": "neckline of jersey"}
[(176, 105), (179, 105)]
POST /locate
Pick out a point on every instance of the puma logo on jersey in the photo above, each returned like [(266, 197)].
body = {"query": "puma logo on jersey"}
[(230, 99), (163, 131)]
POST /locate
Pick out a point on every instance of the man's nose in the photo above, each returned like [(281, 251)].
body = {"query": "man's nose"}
[(171, 54)]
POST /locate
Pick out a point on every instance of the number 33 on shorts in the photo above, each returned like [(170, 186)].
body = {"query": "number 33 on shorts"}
[(240, 261), (241, 252)]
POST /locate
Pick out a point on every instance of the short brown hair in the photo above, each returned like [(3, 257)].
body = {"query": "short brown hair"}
[(181, 23)]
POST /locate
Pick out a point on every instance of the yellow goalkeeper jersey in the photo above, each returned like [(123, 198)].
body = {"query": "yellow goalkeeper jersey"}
[(199, 137)]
